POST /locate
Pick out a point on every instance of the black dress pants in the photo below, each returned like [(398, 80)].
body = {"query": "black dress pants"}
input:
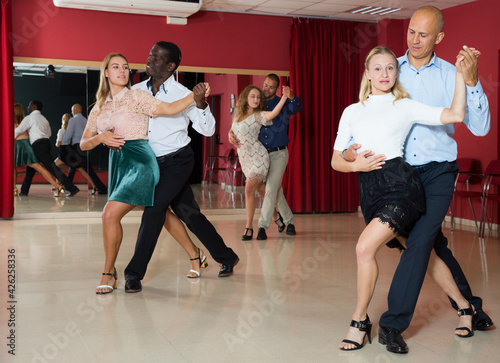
[(174, 190), (85, 164), (438, 184), (41, 147)]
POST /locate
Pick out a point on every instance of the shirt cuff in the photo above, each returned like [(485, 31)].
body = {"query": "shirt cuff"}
[(474, 95), (477, 90)]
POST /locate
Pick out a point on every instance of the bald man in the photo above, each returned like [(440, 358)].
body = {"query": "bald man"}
[(73, 135), (432, 152)]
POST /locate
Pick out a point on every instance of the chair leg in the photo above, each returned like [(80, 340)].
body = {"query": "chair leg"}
[(452, 214), (483, 218), (473, 214)]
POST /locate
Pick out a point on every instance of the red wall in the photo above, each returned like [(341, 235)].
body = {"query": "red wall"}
[(479, 31), (209, 39)]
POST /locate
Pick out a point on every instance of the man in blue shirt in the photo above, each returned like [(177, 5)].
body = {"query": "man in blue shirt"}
[(72, 136), (275, 140), (432, 152)]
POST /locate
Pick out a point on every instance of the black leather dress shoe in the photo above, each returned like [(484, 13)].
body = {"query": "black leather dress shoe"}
[(73, 192), (482, 320), (133, 285), (290, 230), (261, 235), (227, 270), (392, 339)]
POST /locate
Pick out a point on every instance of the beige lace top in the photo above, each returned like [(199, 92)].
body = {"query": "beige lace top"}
[(127, 112)]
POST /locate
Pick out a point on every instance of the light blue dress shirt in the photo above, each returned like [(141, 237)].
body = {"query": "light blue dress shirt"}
[(74, 132), (434, 84)]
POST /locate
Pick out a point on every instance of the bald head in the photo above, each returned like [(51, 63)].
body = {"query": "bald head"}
[(76, 109), (424, 33), (433, 15)]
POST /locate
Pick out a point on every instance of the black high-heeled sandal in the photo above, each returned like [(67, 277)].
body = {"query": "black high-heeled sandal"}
[(246, 236), (280, 219), (462, 312), (111, 288), (365, 326), (203, 264)]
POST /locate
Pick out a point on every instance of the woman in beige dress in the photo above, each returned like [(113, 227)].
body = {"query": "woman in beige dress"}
[(249, 116)]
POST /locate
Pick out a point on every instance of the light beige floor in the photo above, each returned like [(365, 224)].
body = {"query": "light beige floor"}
[(290, 299)]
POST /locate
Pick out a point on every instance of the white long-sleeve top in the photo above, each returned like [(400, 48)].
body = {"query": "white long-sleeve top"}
[(381, 125)]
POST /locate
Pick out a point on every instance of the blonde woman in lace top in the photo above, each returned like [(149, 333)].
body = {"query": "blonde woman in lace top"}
[(120, 121)]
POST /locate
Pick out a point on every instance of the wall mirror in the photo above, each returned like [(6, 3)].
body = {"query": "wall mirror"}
[(61, 86)]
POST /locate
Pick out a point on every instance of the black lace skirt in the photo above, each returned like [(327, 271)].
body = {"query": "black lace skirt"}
[(393, 194)]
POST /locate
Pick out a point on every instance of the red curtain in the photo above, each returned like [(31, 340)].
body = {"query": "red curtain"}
[(325, 74), (6, 113)]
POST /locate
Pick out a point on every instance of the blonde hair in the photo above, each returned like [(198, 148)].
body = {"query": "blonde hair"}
[(366, 87), (241, 108), (18, 114), (104, 89), (65, 120)]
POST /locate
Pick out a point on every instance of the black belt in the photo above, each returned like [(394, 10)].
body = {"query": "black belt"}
[(276, 149), (420, 169), (169, 155)]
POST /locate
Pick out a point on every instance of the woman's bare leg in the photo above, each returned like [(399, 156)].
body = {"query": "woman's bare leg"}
[(176, 228), (112, 233), (86, 176), (46, 174), (438, 270), (15, 181), (373, 237), (250, 187)]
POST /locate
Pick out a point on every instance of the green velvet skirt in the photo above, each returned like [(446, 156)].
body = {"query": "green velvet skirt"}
[(133, 174), (23, 153)]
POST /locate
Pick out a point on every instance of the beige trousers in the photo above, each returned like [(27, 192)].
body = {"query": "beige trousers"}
[(278, 161)]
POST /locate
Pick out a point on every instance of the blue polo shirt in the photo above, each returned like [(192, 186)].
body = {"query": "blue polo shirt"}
[(277, 134)]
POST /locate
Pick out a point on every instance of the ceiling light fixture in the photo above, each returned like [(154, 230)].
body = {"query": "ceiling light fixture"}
[(372, 10)]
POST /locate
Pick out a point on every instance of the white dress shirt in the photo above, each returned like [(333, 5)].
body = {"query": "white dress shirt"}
[(37, 126), (168, 134)]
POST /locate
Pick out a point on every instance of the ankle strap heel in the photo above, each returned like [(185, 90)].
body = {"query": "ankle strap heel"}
[(365, 326)]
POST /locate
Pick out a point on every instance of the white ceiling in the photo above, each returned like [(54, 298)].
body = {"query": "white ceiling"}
[(336, 9)]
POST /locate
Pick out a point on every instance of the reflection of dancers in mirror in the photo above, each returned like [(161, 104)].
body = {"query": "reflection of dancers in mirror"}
[(249, 117), (122, 116), (25, 156), (391, 195), (65, 154)]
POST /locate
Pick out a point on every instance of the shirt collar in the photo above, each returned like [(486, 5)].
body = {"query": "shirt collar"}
[(164, 87), (435, 61), (118, 96)]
